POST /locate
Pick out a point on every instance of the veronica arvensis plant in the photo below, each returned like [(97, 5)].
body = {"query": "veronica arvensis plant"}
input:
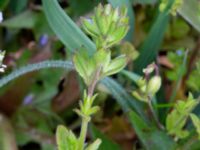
[(107, 27)]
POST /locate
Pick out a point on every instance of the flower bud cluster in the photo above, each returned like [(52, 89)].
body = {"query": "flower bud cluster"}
[(148, 87), (107, 26)]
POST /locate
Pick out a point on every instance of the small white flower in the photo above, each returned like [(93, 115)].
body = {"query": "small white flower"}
[(1, 16), (149, 69), (1, 56), (2, 70), (2, 66)]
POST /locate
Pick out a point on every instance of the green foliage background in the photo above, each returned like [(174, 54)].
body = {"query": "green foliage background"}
[(31, 103)]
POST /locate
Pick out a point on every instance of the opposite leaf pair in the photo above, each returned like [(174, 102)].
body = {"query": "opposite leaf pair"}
[(177, 119), (107, 26), (87, 66), (68, 141), (86, 108)]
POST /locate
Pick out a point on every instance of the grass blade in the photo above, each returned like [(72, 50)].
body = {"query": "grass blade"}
[(106, 144), (18, 21), (190, 11), (7, 136), (180, 77), (144, 2), (66, 30), (131, 75), (152, 43), (34, 67), (126, 101), (151, 138)]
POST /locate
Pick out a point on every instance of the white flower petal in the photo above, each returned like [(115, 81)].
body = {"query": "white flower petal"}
[(2, 70), (1, 16)]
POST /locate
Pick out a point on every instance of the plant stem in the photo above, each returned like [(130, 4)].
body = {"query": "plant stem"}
[(83, 133), (93, 83), (85, 121), (159, 125)]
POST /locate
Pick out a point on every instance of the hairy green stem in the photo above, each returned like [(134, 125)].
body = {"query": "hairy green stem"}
[(83, 133), (85, 121), (94, 82), (33, 67)]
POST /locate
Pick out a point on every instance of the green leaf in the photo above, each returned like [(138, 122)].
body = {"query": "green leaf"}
[(121, 3), (66, 30), (131, 75), (34, 20), (7, 137), (115, 65), (85, 66), (143, 2), (35, 67), (27, 19), (180, 72), (102, 58), (175, 123), (191, 144), (61, 138), (95, 145), (18, 6), (151, 138), (140, 96), (196, 122), (78, 8), (152, 43), (177, 118), (66, 139), (190, 11), (126, 101), (129, 50), (106, 144)]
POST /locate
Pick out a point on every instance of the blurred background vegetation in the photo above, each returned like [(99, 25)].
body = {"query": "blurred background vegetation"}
[(33, 105)]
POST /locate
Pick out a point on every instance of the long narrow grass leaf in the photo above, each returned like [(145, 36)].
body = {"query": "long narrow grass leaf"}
[(190, 11), (66, 30), (7, 136), (106, 144), (131, 75), (144, 2), (151, 138), (126, 101), (152, 43), (34, 67), (180, 77)]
